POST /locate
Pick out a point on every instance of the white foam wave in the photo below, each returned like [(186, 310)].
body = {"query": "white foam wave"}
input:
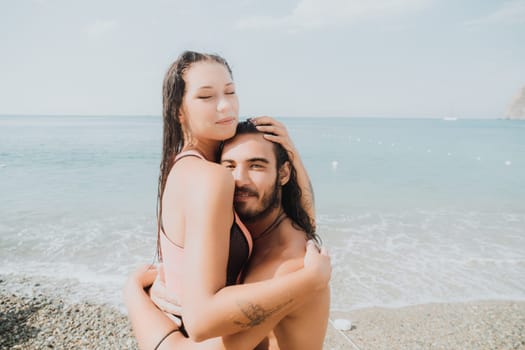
[(420, 257), (94, 255), (380, 259)]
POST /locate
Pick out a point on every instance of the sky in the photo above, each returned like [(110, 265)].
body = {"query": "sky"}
[(290, 58)]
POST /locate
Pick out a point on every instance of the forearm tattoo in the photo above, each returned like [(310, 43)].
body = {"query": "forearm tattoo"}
[(256, 314)]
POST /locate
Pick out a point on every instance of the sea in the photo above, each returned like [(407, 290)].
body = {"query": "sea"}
[(411, 210)]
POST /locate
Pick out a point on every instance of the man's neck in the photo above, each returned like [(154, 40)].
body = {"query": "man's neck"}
[(260, 226)]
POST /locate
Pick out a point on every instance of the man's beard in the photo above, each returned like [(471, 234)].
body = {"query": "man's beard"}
[(269, 202)]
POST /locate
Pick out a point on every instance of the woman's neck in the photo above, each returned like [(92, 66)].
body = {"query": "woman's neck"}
[(208, 149)]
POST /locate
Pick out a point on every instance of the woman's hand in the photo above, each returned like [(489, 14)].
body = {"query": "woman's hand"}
[(275, 131), (318, 263)]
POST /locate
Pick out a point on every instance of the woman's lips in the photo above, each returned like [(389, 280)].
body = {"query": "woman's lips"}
[(226, 121)]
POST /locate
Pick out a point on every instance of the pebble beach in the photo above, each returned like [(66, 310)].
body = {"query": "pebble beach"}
[(39, 317), (470, 325)]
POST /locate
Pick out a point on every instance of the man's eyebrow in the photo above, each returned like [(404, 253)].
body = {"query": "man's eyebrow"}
[(251, 160), (259, 159)]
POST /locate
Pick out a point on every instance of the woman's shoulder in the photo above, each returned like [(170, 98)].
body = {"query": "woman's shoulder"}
[(203, 187), (194, 171)]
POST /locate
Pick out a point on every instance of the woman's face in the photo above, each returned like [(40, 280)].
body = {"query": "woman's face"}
[(210, 108)]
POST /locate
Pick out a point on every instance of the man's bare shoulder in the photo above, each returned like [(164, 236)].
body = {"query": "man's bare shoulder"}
[(293, 249), (304, 327)]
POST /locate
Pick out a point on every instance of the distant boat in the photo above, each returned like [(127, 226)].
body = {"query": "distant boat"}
[(450, 118)]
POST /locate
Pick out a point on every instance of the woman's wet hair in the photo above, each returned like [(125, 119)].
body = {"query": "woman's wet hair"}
[(291, 192), (173, 90)]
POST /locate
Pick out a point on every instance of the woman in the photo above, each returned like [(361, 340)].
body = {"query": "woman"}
[(203, 242)]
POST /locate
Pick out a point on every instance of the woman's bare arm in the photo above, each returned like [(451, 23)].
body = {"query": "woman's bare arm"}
[(210, 310), (150, 324)]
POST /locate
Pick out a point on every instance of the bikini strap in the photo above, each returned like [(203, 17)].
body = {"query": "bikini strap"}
[(248, 237), (244, 231), (189, 153)]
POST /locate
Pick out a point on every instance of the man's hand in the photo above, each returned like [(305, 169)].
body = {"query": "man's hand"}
[(162, 298), (142, 277)]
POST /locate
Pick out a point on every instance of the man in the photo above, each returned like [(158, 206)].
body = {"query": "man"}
[(269, 200)]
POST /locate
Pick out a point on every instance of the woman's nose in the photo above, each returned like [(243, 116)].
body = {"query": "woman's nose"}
[(226, 103)]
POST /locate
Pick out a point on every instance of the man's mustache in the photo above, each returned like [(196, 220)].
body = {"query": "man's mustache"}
[(245, 191)]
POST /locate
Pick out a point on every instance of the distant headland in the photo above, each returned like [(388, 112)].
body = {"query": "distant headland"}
[(517, 106)]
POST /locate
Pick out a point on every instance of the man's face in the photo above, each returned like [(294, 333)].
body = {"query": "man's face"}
[(251, 159)]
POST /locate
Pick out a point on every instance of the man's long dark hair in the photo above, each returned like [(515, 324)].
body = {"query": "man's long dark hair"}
[(291, 192)]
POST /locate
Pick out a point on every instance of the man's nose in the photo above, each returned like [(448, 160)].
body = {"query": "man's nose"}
[(240, 176)]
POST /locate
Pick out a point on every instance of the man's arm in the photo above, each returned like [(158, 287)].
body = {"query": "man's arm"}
[(303, 327), (149, 324), (272, 268)]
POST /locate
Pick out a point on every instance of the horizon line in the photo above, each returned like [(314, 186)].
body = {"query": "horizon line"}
[(246, 116)]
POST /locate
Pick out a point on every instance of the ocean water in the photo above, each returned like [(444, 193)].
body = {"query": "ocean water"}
[(412, 210)]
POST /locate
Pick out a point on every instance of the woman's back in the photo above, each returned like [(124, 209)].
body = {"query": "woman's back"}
[(173, 235)]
